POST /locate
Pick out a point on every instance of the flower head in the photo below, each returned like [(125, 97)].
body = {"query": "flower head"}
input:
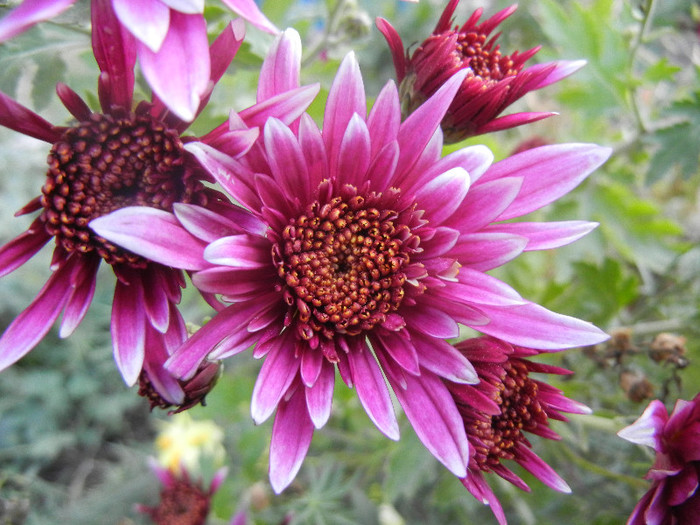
[(119, 157), (498, 410), (673, 498), (493, 81), (358, 247)]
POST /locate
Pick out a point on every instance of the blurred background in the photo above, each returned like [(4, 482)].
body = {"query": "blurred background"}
[(74, 439)]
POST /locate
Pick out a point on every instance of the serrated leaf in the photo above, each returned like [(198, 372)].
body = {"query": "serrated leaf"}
[(676, 147)]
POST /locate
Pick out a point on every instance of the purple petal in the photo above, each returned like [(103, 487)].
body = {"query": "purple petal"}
[(548, 173), (400, 349), (22, 248), (432, 412), (478, 287), (30, 326), (83, 292), (512, 121), (280, 69), (280, 368), (383, 166), (248, 10), (398, 54), (372, 390), (204, 223), (154, 234), (648, 429), (562, 69), (128, 329), (156, 300), (180, 70), (485, 251), (115, 52), (546, 235), (234, 283), (147, 20), (484, 203), (431, 321), (442, 196), (287, 106), (384, 120), (538, 468), (28, 13), (319, 397), (346, 97), (240, 251), (189, 7), (479, 488), (354, 154), (418, 129), (15, 116), (73, 103), (443, 359), (533, 326), (291, 437), (287, 162), (311, 142)]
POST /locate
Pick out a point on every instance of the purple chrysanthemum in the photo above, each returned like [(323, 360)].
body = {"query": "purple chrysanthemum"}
[(673, 498), (493, 81), (496, 411), (122, 157), (363, 250)]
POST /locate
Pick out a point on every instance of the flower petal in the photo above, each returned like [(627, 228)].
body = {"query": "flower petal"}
[(22, 248), (280, 368), (546, 235), (485, 251), (291, 437), (395, 45), (83, 291), (353, 157), (319, 397), (154, 234), (248, 10), (444, 360), (239, 251), (15, 116), (286, 160), (128, 329), (442, 196), (147, 20), (28, 13), (648, 429), (430, 321), (372, 389), (280, 69)]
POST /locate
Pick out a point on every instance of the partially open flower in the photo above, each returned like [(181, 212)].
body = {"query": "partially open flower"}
[(498, 410), (673, 498), (494, 80)]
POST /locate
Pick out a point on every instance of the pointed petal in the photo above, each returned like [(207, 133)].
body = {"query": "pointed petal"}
[(83, 291), (280, 368), (443, 359), (30, 326), (204, 223), (28, 13), (648, 429), (485, 251), (538, 468), (484, 203), (128, 329), (372, 389), (533, 326), (287, 106), (395, 46), (442, 196), (546, 235), (115, 53), (280, 69), (248, 10), (287, 162), (400, 349), (154, 234), (431, 321), (291, 437), (548, 172), (180, 70), (22, 248), (15, 116), (384, 119), (432, 412), (147, 20), (354, 154), (240, 251), (319, 397)]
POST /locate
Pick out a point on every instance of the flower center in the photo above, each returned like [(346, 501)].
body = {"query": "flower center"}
[(520, 411), (343, 264), (181, 503), (107, 163), (485, 61)]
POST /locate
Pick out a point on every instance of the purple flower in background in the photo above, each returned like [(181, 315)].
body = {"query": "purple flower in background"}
[(498, 410), (493, 81), (673, 498), (184, 501), (29, 13), (115, 158), (363, 249)]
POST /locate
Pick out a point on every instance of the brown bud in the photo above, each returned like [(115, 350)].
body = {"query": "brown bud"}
[(636, 386), (667, 347)]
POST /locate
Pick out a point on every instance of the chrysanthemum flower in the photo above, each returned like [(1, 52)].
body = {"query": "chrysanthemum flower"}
[(674, 498), (29, 13), (498, 410), (183, 501), (493, 82), (363, 250), (122, 157)]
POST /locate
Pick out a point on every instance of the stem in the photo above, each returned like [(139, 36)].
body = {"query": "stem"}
[(597, 469), (331, 26), (636, 45)]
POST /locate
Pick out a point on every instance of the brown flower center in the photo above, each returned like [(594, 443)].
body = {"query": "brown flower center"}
[(520, 411), (107, 163), (484, 60), (343, 264)]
